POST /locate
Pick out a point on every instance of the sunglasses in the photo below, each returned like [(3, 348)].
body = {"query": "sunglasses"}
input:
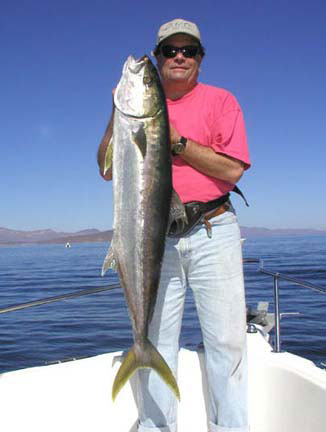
[(189, 51)]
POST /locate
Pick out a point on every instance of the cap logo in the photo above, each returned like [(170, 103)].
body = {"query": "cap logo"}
[(177, 26)]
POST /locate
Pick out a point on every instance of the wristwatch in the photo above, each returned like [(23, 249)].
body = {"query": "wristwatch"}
[(179, 147)]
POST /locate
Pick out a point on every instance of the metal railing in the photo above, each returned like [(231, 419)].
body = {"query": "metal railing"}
[(277, 276), (48, 300)]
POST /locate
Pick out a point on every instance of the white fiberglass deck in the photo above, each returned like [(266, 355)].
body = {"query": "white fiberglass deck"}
[(286, 393)]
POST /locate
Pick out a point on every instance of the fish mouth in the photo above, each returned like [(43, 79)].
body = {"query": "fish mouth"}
[(135, 65)]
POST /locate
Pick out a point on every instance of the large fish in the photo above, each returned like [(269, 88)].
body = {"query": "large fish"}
[(142, 187)]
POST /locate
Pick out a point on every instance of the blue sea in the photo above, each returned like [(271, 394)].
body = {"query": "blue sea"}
[(99, 323)]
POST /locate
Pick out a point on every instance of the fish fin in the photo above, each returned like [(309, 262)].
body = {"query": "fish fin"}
[(108, 156), (147, 358), (178, 213), (110, 261), (138, 137)]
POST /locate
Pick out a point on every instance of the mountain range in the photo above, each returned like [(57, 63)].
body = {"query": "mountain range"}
[(9, 236)]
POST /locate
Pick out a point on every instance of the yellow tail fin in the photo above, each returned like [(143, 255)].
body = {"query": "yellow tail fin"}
[(147, 358)]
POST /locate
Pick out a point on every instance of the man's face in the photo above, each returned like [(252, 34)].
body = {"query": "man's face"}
[(179, 68)]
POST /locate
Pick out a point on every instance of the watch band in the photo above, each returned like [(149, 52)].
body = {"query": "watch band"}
[(179, 147)]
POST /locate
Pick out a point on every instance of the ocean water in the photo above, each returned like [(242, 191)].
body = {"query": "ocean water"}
[(99, 323)]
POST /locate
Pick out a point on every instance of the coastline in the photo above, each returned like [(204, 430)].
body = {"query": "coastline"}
[(96, 236)]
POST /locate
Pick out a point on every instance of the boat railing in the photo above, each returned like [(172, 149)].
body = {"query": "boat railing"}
[(53, 299), (277, 276)]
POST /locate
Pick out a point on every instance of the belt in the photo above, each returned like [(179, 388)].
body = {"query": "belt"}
[(220, 210), (198, 212)]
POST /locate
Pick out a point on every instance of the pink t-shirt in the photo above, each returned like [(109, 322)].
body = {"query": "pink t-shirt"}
[(212, 117)]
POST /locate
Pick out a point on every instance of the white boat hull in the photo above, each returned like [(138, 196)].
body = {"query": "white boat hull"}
[(286, 393)]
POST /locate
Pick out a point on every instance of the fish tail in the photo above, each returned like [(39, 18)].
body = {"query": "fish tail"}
[(148, 358)]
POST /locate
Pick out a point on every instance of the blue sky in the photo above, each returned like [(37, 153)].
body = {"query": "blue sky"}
[(60, 60)]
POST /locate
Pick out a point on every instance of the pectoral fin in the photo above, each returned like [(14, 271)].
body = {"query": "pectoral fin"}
[(138, 137), (109, 261)]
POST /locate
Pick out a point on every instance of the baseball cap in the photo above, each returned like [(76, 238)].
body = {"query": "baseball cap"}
[(178, 26)]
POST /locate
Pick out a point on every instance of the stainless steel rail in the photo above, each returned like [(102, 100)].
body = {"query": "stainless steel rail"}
[(277, 276), (48, 300)]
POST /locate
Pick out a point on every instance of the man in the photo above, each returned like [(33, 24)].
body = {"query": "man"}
[(210, 154)]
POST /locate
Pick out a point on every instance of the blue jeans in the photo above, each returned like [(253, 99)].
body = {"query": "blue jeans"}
[(213, 268)]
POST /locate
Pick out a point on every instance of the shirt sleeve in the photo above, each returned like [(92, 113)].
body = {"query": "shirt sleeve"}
[(229, 132)]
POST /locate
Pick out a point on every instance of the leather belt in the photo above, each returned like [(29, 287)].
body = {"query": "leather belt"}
[(197, 213), (220, 210)]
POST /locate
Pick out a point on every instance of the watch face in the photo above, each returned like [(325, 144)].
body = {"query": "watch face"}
[(178, 148)]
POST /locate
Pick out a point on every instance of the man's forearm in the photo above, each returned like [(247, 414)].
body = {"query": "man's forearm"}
[(217, 165)]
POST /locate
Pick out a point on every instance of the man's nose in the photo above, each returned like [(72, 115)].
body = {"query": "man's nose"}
[(179, 56)]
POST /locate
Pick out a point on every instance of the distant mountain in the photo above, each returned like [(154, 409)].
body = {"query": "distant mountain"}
[(266, 232), (98, 236), (8, 236)]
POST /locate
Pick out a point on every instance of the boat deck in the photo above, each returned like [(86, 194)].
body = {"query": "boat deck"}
[(286, 393)]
